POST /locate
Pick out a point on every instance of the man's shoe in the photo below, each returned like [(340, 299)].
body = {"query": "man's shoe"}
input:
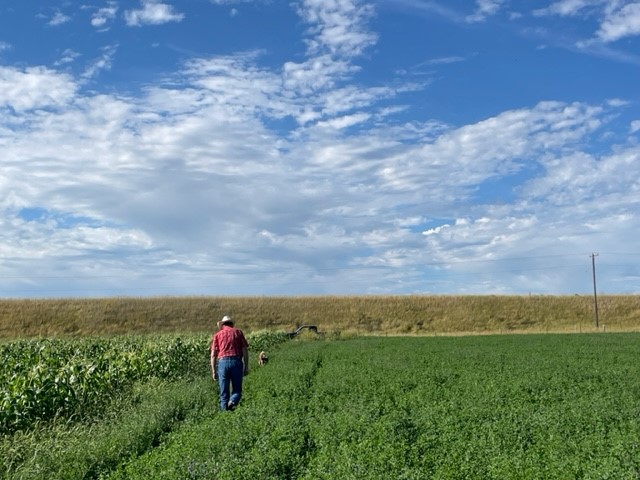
[(231, 406)]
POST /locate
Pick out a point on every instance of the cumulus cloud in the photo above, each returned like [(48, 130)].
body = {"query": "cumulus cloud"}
[(153, 12), (34, 87), (621, 23)]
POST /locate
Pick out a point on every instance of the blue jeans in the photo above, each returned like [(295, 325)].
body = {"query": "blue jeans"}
[(230, 373)]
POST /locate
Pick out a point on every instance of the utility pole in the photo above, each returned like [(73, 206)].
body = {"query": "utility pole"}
[(595, 295)]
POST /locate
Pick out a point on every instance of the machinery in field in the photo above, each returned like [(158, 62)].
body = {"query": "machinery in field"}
[(296, 332)]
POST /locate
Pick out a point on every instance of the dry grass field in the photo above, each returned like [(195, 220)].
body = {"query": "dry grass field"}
[(364, 315)]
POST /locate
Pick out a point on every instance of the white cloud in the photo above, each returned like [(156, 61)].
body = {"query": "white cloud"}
[(38, 240), (621, 23), (492, 147), (585, 182), (4, 46), (58, 18), (341, 100), (34, 87), (617, 19), (436, 230), (345, 122), (596, 48), (443, 61), (430, 8), (235, 84), (635, 126), (485, 9), (337, 27), (568, 7), (316, 74), (153, 12), (104, 15), (617, 102), (102, 63), (166, 176), (68, 56)]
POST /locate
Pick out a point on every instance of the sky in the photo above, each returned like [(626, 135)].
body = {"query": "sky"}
[(319, 147)]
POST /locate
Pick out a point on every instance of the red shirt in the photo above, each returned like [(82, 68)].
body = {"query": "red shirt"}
[(228, 342)]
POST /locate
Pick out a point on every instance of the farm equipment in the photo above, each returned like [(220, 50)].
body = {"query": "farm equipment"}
[(296, 332)]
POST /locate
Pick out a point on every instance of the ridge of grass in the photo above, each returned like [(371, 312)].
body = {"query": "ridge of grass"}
[(377, 315)]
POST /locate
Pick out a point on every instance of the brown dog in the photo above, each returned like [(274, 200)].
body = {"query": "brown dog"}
[(263, 358)]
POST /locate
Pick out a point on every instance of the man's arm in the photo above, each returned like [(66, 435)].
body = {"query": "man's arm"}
[(245, 359), (214, 354)]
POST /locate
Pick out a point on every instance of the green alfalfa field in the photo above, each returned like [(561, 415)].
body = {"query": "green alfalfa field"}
[(387, 390)]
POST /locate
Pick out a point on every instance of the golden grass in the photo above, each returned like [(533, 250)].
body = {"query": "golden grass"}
[(376, 315)]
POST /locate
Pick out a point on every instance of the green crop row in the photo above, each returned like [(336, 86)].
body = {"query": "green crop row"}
[(127, 426), (266, 437), (47, 378)]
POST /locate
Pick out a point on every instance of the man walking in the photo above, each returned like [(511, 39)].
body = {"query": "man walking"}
[(229, 362)]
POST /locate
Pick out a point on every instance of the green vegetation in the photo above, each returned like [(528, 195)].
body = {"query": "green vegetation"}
[(130, 424), (47, 378), (77, 408), (477, 407), (517, 407), (527, 407), (361, 315), (43, 379)]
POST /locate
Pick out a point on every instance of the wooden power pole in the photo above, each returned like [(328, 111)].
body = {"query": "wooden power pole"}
[(595, 294)]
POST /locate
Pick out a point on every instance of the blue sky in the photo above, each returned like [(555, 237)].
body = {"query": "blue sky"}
[(222, 147)]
